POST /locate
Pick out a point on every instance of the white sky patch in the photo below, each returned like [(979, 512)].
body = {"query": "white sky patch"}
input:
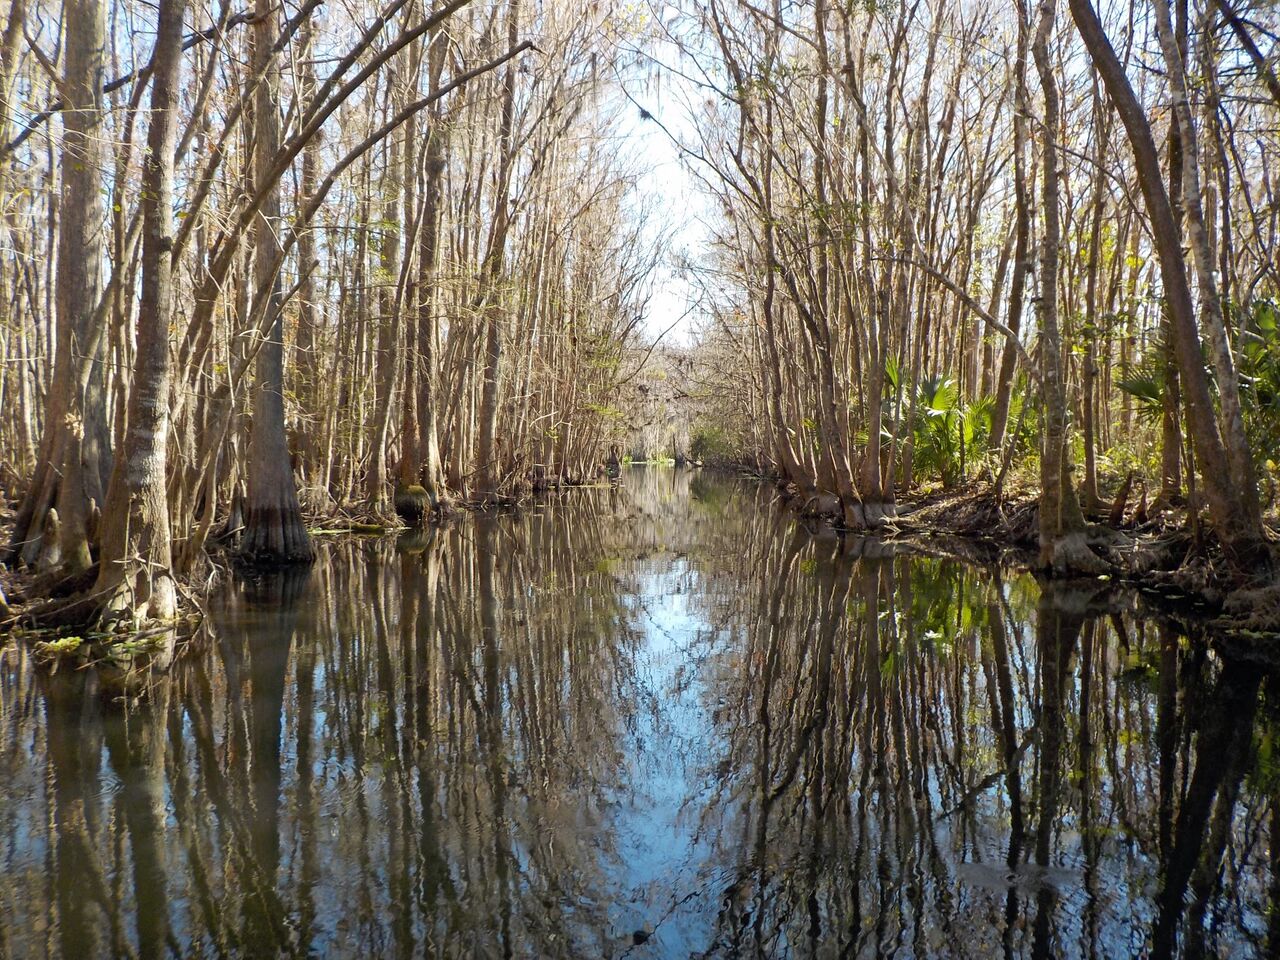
[(656, 109)]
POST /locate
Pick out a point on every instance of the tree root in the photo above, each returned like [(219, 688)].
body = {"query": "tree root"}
[(62, 613), (1073, 557), (54, 584), (1253, 610), (1158, 554), (413, 503), (1139, 557), (90, 609)]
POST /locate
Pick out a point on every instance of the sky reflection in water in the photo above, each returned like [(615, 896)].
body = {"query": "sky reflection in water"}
[(661, 713)]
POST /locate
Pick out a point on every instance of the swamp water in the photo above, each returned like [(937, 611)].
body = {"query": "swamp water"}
[(659, 720)]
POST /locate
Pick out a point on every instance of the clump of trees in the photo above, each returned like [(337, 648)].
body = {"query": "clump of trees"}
[(960, 235), (290, 258)]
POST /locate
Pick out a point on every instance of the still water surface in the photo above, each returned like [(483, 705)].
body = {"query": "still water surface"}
[(661, 720)]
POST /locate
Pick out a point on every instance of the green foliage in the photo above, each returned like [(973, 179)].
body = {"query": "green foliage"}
[(604, 411), (1259, 370), (1140, 668), (710, 444), (711, 496), (1119, 459), (59, 648), (949, 604), (936, 440), (977, 422), (892, 377), (1146, 384), (1264, 779), (946, 432)]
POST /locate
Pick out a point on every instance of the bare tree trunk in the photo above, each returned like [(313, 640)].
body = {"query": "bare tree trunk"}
[(413, 500), (1239, 459), (431, 469), (1089, 378), (1062, 546), (488, 469), (10, 45), (274, 531), (386, 355), (75, 451), (307, 362), (134, 576), (1022, 243), (1170, 396)]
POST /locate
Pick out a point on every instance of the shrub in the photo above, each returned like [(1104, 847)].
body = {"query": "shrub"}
[(709, 444)]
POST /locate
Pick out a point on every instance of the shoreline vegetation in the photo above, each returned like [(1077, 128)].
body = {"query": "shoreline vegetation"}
[(1158, 559), (1167, 554)]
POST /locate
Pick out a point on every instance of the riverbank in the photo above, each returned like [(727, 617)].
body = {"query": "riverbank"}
[(1167, 554), (33, 598), (1160, 553)]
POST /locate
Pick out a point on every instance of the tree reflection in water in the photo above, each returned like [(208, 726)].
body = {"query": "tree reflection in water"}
[(661, 713)]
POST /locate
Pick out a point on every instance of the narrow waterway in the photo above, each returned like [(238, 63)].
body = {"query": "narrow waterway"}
[(657, 720)]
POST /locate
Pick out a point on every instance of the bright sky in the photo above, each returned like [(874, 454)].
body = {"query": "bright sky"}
[(665, 183)]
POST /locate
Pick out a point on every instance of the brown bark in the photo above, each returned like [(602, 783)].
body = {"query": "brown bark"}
[(135, 577), (1022, 243), (428, 444), (1092, 333), (1212, 321), (488, 469), (75, 451), (81, 249), (1062, 547), (387, 356), (274, 531), (307, 345)]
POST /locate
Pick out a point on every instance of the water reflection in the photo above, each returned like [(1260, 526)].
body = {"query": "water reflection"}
[(655, 720)]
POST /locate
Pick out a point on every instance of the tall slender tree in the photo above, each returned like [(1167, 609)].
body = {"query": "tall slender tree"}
[(274, 531), (135, 578)]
